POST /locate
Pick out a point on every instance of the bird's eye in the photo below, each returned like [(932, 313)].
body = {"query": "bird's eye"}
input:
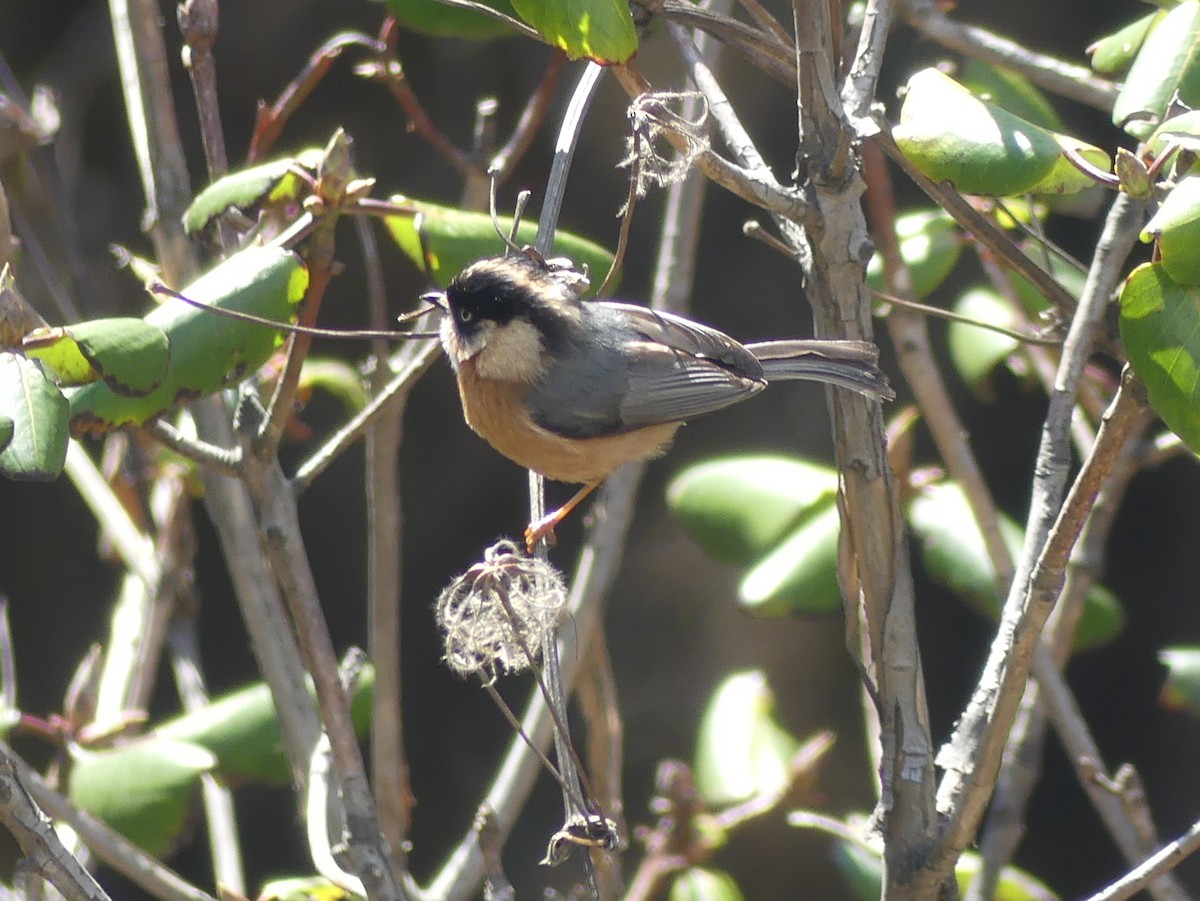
[(464, 315)]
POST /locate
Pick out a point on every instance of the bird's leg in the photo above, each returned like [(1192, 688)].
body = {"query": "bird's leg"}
[(544, 527)]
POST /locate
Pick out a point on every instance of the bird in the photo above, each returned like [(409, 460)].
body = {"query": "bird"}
[(574, 389)]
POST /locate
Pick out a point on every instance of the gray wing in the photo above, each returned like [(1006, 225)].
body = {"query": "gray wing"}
[(642, 368)]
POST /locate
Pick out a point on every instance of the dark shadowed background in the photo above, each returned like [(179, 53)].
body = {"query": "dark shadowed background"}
[(672, 625)]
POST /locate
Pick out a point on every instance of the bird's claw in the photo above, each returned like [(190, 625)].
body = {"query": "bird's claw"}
[(542, 529)]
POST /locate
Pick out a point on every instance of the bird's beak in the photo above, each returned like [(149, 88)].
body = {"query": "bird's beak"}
[(437, 298)]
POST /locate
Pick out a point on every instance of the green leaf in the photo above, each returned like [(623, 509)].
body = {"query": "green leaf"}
[(955, 556), (29, 399), (977, 351), (1176, 225), (1160, 326), (456, 239), (1166, 70), (208, 351), (302, 888), (337, 377), (1113, 54), (1011, 91), (1181, 689), (738, 508), (863, 870), (131, 355), (242, 731), (697, 884), (599, 30), (951, 135), (270, 182), (930, 245), (800, 575), (144, 790), (438, 20), (741, 751), (1182, 131), (7, 428)]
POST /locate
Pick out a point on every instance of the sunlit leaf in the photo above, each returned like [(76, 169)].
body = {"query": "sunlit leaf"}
[(242, 731), (930, 245), (1160, 327), (800, 575), (36, 449), (272, 182), (741, 751), (145, 790), (1181, 689), (441, 21), (955, 556), (1166, 70), (302, 888), (1113, 54), (951, 135), (739, 508), (1009, 90), (208, 351), (599, 30), (697, 884), (977, 351), (1176, 226), (131, 355), (456, 239)]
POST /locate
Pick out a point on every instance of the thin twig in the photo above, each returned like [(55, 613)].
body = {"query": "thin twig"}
[(219, 459), (1163, 862), (972, 756), (1066, 79), (105, 842), (272, 119), (421, 356), (40, 843), (385, 538), (141, 53)]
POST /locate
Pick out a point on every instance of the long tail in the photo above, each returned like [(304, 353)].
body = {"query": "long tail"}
[(848, 364)]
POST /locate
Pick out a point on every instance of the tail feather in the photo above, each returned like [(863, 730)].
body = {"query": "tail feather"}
[(848, 364)]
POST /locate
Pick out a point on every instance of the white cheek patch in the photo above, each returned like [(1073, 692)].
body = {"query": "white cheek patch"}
[(460, 349), (509, 353)]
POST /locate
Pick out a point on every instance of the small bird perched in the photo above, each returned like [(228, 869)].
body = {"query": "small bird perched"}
[(574, 389)]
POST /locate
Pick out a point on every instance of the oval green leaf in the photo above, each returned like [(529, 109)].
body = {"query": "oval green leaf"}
[(456, 239), (697, 884), (131, 355), (208, 351), (272, 182), (1181, 690), (741, 751), (145, 790), (1166, 70), (800, 575), (242, 731), (951, 135), (438, 20), (930, 245), (1160, 326), (1176, 225), (955, 556), (739, 508), (1113, 54), (977, 351), (1011, 91), (37, 447), (599, 30)]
